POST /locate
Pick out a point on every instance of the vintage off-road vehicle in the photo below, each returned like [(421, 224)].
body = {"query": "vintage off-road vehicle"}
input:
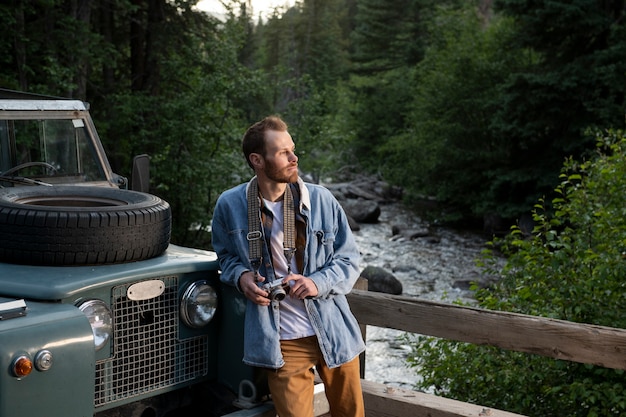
[(99, 313)]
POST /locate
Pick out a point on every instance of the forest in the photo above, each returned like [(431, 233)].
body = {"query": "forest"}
[(474, 103), (491, 108)]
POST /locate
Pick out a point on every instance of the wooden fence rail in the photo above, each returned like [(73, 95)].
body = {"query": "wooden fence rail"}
[(558, 339)]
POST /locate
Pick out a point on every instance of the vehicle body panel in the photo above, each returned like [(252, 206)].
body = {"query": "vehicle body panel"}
[(65, 332), (152, 358), (64, 282)]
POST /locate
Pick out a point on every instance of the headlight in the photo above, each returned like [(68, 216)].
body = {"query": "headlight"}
[(198, 304), (100, 320)]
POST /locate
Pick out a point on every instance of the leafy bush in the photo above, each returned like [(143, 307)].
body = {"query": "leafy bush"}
[(572, 267)]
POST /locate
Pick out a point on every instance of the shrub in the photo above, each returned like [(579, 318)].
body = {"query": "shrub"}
[(572, 267)]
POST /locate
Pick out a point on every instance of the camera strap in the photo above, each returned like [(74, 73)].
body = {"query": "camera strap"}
[(255, 233)]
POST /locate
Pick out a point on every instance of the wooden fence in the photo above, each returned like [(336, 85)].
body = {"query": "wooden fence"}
[(558, 339)]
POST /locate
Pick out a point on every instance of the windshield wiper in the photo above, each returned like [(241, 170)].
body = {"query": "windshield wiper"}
[(22, 180)]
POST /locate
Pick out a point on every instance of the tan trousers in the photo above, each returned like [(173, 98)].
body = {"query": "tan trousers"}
[(292, 385)]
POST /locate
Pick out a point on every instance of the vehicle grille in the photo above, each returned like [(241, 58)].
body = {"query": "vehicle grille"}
[(148, 354)]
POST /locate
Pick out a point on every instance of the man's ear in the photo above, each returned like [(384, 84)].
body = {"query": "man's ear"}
[(257, 160)]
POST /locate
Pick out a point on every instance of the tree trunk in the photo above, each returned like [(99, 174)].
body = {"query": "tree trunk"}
[(20, 49), (137, 46), (81, 10)]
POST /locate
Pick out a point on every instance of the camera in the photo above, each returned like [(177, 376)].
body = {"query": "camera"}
[(277, 289)]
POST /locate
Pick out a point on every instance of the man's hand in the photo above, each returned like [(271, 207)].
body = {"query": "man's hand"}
[(251, 289), (301, 286)]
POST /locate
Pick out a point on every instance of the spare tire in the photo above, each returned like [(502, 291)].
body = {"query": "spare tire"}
[(78, 225)]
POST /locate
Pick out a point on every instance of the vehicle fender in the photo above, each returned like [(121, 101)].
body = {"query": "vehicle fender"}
[(66, 389)]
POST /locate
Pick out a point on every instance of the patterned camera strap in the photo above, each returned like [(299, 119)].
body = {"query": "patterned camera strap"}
[(255, 235)]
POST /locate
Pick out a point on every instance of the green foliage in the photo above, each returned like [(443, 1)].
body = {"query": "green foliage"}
[(304, 57), (578, 245), (307, 42), (321, 145), (454, 96), (45, 43), (377, 113), (194, 156), (445, 98), (192, 128), (570, 268), (389, 34), (388, 39), (581, 70), (498, 102), (162, 80), (576, 83)]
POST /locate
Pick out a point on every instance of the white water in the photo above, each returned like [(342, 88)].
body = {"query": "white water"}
[(427, 268)]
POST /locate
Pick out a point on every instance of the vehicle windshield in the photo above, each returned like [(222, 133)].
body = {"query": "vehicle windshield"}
[(51, 150)]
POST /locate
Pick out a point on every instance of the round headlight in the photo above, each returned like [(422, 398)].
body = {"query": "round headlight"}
[(100, 320), (198, 304)]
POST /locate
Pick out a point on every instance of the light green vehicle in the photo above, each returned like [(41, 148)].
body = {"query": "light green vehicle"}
[(99, 313)]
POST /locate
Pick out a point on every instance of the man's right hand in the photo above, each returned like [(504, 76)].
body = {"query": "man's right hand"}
[(250, 288)]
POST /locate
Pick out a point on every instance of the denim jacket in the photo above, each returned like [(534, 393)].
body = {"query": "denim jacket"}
[(330, 260)]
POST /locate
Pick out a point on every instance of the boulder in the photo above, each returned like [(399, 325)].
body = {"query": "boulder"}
[(380, 280), (362, 211), (361, 197)]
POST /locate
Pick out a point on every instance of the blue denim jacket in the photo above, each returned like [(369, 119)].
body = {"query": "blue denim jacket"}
[(330, 260)]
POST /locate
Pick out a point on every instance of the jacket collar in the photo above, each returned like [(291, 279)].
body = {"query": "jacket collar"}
[(305, 198)]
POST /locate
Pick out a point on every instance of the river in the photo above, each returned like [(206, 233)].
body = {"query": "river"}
[(427, 268)]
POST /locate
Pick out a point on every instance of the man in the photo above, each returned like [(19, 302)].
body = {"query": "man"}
[(304, 242)]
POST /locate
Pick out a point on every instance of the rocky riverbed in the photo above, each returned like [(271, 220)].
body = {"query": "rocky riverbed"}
[(436, 266)]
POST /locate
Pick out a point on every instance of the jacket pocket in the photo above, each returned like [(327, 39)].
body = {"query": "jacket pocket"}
[(324, 249)]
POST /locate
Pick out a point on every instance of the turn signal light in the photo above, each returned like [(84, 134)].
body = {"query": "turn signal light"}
[(22, 366)]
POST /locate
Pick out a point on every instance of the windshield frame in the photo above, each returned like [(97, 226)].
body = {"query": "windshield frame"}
[(54, 110)]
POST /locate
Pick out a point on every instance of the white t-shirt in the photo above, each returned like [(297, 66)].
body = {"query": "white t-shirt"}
[(294, 321)]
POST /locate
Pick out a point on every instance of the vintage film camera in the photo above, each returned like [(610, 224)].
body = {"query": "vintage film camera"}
[(277, 289)]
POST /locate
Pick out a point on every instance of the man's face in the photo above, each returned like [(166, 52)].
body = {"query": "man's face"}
[(281, 162)]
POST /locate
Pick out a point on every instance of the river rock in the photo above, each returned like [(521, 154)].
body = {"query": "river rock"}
[(373, 185), (361, 196), (403, 231), (365, 188), (380, 280), (362, 211)]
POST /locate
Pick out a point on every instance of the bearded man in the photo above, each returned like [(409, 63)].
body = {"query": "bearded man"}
[(287, 246)]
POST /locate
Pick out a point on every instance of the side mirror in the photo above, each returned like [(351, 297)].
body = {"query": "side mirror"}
[(140, 178)]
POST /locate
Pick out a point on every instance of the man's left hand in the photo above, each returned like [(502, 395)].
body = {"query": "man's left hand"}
[(301, 287)]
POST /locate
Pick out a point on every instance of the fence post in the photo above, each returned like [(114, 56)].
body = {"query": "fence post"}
[(361, 284)]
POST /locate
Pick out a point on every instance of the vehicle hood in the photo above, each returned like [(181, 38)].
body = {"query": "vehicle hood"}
[(53, 283)]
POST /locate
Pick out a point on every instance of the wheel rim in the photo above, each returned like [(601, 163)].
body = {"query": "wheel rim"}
[(70, 201)]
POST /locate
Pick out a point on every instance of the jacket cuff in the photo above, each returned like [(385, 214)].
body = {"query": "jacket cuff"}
[(238, 278)]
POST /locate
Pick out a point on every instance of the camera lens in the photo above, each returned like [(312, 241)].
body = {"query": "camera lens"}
[(278, 294)]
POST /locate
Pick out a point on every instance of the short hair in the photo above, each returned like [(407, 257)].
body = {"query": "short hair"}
[(254, 138)]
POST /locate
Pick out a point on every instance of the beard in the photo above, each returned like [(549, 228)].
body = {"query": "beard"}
[(280, 174)]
